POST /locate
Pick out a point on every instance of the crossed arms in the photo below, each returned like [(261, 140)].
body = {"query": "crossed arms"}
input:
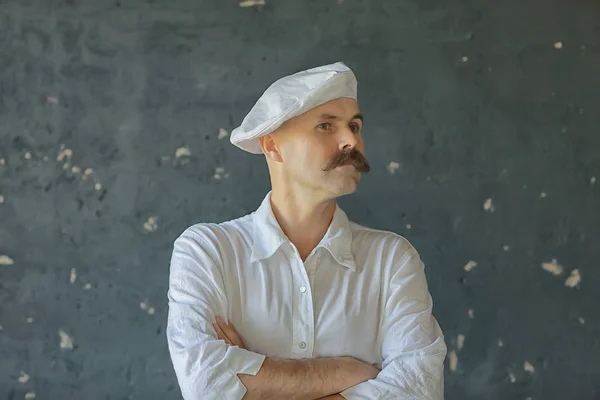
[(207, 367)]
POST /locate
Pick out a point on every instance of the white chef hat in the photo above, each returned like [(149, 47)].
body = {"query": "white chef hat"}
[(291, 96)]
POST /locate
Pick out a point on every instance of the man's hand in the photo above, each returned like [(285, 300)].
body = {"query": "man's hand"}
[(227, 332)]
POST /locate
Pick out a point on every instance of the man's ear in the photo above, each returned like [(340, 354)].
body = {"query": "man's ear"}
[(269, 147)]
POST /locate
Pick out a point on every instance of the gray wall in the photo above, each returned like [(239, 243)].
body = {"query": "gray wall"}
[(124, 83)]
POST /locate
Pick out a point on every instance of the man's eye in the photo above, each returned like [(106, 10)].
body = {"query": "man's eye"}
[(355, 128), (324, 125)]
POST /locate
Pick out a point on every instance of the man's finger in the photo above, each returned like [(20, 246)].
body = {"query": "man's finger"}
[(231, 333), (221, 335)]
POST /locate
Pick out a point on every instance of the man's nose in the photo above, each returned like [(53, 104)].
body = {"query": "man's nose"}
[(348, 139)]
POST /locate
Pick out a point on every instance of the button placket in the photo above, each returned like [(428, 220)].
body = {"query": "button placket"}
[(303, 332)]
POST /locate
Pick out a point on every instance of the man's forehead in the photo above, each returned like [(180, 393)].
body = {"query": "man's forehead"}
[(342, 107)]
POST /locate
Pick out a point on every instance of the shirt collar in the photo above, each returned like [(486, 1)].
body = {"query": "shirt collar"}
[(268, 235)]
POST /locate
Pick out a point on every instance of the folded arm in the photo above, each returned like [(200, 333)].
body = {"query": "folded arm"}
[(209, 368), (413, 344)]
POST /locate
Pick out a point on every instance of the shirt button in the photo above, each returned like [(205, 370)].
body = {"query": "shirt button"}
[(302, 289), (302, 345)]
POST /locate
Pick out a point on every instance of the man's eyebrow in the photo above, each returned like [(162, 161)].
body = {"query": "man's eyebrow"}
[(330, 116)]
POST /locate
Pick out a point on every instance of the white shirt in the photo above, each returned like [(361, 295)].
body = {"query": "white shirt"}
[(361, 293)]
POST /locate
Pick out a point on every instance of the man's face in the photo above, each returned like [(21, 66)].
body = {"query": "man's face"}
[(323, 148)]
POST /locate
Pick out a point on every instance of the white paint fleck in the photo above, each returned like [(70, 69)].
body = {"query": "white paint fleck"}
[(573, 279), (28, 156), (6, 260), (151, 224), (182, 152), (392, 167), (98, 186), (29, 320), (30, 395), (2, 161), (464, 59), (452, 360), (222, 133), (66, 166), (558, 45), (592, 180), (87, 286), (460, 341), (471, 314), (23, 378), (470, 265), (45, 158), (64, 154), (252, 3), (143, 305), (408, 226), (506, 247), (527, 366), (66, 342), (73, 275), (51, 99), (151, 310), (553, 267), (543, 195), (86, 173), (581, 320), (1, 327), (488, 205), (75, 169), (512, 378), (500, 343), (220, 173)]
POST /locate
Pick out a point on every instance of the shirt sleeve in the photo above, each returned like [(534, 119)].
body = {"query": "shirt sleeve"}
[(206, 367), (413, 348)]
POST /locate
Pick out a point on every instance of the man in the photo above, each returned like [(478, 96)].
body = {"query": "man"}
[(295, 301)]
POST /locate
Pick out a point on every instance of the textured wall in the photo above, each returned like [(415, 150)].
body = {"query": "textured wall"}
[(481, 127)]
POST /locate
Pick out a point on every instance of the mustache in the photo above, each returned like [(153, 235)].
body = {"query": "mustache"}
[(353, 157)]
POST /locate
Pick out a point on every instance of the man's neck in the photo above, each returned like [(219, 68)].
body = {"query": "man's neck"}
[(303, 220)]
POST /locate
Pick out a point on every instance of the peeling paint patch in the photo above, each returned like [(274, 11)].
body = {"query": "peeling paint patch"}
[(488, 205), (29, 320), (73, 275), (511, 377), (30, 395), (452, 360), (220, 173), (143, 305), (151, 224), (28, 156), (6, 260), (98, 186), (23, 378), (150, 310), (460, 341), (574, 279), (470, 265), (64, 154), (252, 3), (66, 342), (464, 59), (527, 366), (87, 286), (558, 45), (553, 267), (471, 315), (392, 167), (182, 156), (592, 180), (581, 320), (222, 133)]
